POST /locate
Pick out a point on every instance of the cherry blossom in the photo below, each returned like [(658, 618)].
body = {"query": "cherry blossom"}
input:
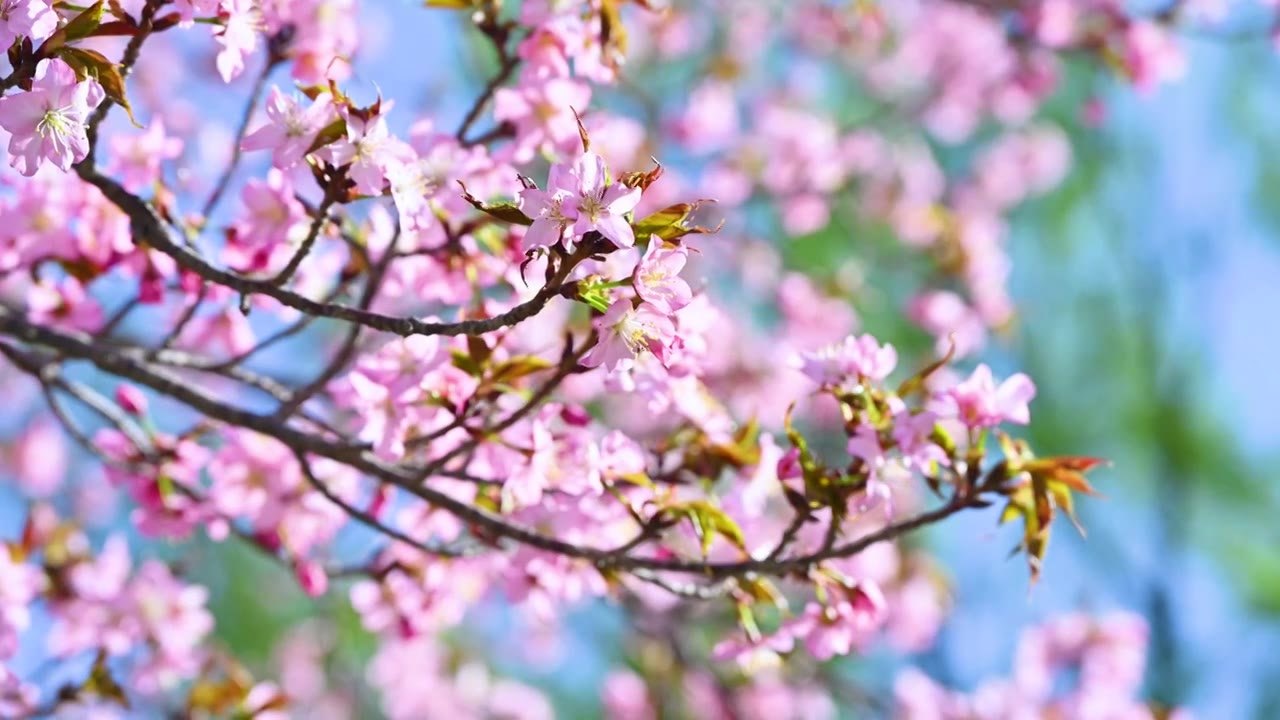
[(855, 357), (47, 123), (657, 276), (979, 402), (290, 128), (597, 204), (26, 18), (416, 384), (627, 331), (138, 159)]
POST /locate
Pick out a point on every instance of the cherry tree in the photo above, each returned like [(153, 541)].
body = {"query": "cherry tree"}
[(546, 357)]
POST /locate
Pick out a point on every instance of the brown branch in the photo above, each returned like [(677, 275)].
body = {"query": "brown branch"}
[(76, 345), (365, 518), (498, 34), (149, 230)]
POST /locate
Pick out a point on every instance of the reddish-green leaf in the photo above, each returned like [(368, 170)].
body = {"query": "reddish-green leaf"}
[(669, 224), (330, 133), (93, 64), (517, 367), (504, 211)]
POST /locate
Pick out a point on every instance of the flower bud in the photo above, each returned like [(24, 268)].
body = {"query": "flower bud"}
[(131, 400)]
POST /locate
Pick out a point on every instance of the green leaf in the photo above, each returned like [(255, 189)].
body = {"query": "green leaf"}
[(78, 28), (916, 382), (464, 362), (638, 479), (1063, 499), (613, 36), (328, 134), (102, 684), (762, 590), (594, 293), (507, 212), (1010, 512), (708, 521), (83, 25), (164, 484), (93, 64), (479, 349), (515, 368), (747, 621), (669, 223), (663, 218)]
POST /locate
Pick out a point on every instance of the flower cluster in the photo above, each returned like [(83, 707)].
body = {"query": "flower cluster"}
[(1104, 656), (376, 352)]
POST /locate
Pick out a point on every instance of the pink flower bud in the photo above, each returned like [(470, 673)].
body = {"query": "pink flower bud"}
[(190, 282), (789, 465), (575, 415), (380, 500), (311, 576), (131, 400)]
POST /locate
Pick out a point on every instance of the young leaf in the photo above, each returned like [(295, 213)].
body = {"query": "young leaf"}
[(93, 64), (515, 368), (328, 134), (83, 25), (582, 132), (669, 223), (78, 28), (505, 211), (708, 521), (916, 382)]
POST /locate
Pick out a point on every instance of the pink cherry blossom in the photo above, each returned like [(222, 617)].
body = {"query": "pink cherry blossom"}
[(290, 128), (238, 36), (131, 399), (40, 458), (225, 330), (848, 623), (272, 211), (138, 159), (657, 277), (625, 697), (65, 302), (189, 10), (26, 18), (368, 150), (865, 445), (626, 332), (1052, 675), (599, 205), (945, 315), (546, 207), (17, 697), (979, 402), (541, 109), (1151, 55), (47, 123), (325, 35), (854, 358), (312, 578), (913, 434), (448, 413), (19, 585)]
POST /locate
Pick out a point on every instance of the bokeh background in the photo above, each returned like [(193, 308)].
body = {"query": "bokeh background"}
[(1149, 315)]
